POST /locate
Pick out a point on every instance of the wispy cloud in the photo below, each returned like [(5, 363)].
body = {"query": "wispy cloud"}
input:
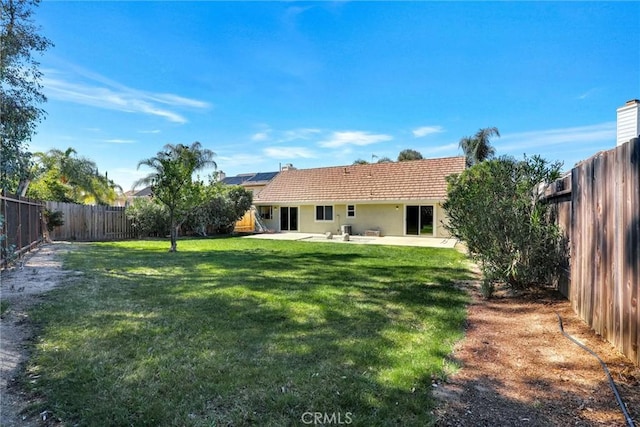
[(297, 134), (154, 131), (120, 141), (88, 88), (289, 152), (426, 130), (441, 149), (589, 93), (359, 138), (252, 161), (260, 136), (603, 132), (171, 99)]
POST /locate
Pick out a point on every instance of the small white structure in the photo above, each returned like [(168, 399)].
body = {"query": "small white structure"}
[(628, 122)]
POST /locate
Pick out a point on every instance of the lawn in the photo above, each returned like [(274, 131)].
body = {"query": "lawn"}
[(238, 332)]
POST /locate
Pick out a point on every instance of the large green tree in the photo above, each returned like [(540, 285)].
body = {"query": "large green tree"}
[(172, 182), (496, 208), (477, 148), (63, 176), (409, 154), (20, 90)]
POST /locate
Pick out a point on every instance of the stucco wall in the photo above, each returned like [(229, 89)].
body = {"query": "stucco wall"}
[(441, 219), (388, 218)]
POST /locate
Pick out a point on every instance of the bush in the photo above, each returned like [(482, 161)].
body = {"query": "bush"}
[(149, 218), (496, 208), (53, 219), (221, 209)]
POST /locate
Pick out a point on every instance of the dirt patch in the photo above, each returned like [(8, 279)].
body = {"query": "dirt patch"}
[(519, 370), (21, 287)]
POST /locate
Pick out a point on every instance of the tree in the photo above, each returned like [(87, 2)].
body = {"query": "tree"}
[(384, 160), (20, 90), (360, 162), (148, 217), (64, 177), (222, 206), (496, 208), (477, 148), (409, 154), (172, 182)]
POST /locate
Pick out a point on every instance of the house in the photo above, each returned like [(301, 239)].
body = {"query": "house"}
[(131, 195), (253, 182), (395, 199)]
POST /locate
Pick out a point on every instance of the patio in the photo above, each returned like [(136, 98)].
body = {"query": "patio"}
[(427, 242)]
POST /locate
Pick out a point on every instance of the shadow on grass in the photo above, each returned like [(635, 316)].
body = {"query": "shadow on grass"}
[(248, 334)]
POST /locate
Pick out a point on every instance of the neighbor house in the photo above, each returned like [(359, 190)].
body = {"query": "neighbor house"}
[(393, 199), (253, 182)]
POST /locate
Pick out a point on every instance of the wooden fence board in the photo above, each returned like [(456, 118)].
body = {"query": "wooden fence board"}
[(246, 224), (603, 227), (85, 223)]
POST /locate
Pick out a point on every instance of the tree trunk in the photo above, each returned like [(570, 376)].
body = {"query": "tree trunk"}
[(173, 234), (23, 186)]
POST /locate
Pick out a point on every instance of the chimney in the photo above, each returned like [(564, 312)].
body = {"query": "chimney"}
[(287, 167), (628, 123)]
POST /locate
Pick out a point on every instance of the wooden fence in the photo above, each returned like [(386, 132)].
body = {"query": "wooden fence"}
[(85, 223), (246, 224), (598, 207), (22, 228)]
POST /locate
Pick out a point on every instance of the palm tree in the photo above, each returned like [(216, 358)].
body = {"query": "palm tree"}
[(477, 148), (65, 177), (172, 179)]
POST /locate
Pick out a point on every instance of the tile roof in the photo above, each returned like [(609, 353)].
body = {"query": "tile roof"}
[(410, 180)]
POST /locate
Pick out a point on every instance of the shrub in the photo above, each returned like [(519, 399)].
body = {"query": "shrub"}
[(497, 209), (53, 219), (149, 218), (223, 206)]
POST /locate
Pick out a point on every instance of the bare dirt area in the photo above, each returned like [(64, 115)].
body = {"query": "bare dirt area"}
[(519, 370), (21, 287)]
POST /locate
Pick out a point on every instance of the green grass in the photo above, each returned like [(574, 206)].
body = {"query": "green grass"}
[(245, 332)]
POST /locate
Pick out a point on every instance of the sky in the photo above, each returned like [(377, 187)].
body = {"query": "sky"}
[(317, 84)]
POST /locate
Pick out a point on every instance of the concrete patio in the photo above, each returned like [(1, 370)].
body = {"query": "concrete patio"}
[(430, 242)]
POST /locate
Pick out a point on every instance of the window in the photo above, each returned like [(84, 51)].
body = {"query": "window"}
[(324, 213), (266, 212), (351, 211)]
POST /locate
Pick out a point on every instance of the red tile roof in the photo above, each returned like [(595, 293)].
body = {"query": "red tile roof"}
[(410, 180)]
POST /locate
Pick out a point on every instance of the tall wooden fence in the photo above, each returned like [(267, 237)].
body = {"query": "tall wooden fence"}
[(85, 223), (598, 207), (22, 228)]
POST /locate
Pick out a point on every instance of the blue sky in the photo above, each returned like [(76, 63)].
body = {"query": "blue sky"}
[(325, 83)]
